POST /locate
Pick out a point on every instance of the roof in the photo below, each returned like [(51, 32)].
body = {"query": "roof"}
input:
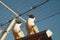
[(39, 36)]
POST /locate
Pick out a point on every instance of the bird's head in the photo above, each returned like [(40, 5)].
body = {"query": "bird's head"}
[(18, 21), (31, 16)]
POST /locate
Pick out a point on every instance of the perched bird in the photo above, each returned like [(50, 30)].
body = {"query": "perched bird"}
[(31, 28), (17, 32)]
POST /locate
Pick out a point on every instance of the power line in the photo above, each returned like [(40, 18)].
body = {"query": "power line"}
[(38, 20), (27, 11), (5, 22), (48, 17), (34, 7)]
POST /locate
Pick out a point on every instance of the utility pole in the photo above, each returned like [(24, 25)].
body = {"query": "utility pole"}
[(8, 29)]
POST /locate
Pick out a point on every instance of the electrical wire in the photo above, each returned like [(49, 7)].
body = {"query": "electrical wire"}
[(34, 7), (38, 20), (5, 22), (48, 17), (27, 11)]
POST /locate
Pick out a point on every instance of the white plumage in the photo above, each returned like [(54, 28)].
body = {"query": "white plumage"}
[(17, 27), (17, 32), (31, 27)]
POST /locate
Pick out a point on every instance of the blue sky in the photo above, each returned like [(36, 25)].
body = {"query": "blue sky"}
[(45, 10)]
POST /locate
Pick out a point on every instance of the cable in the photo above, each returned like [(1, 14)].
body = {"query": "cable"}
[(48, 17), (27, 11), (38, 20), (5, 22), (34, 7)]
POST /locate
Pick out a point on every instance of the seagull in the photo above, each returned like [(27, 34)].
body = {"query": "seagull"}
[(31, 28), (17, 32)]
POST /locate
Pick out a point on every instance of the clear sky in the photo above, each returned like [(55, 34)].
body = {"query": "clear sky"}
[(43, 11)]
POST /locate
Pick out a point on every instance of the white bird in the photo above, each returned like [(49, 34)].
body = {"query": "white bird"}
[(17, 32), (31, 28)]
